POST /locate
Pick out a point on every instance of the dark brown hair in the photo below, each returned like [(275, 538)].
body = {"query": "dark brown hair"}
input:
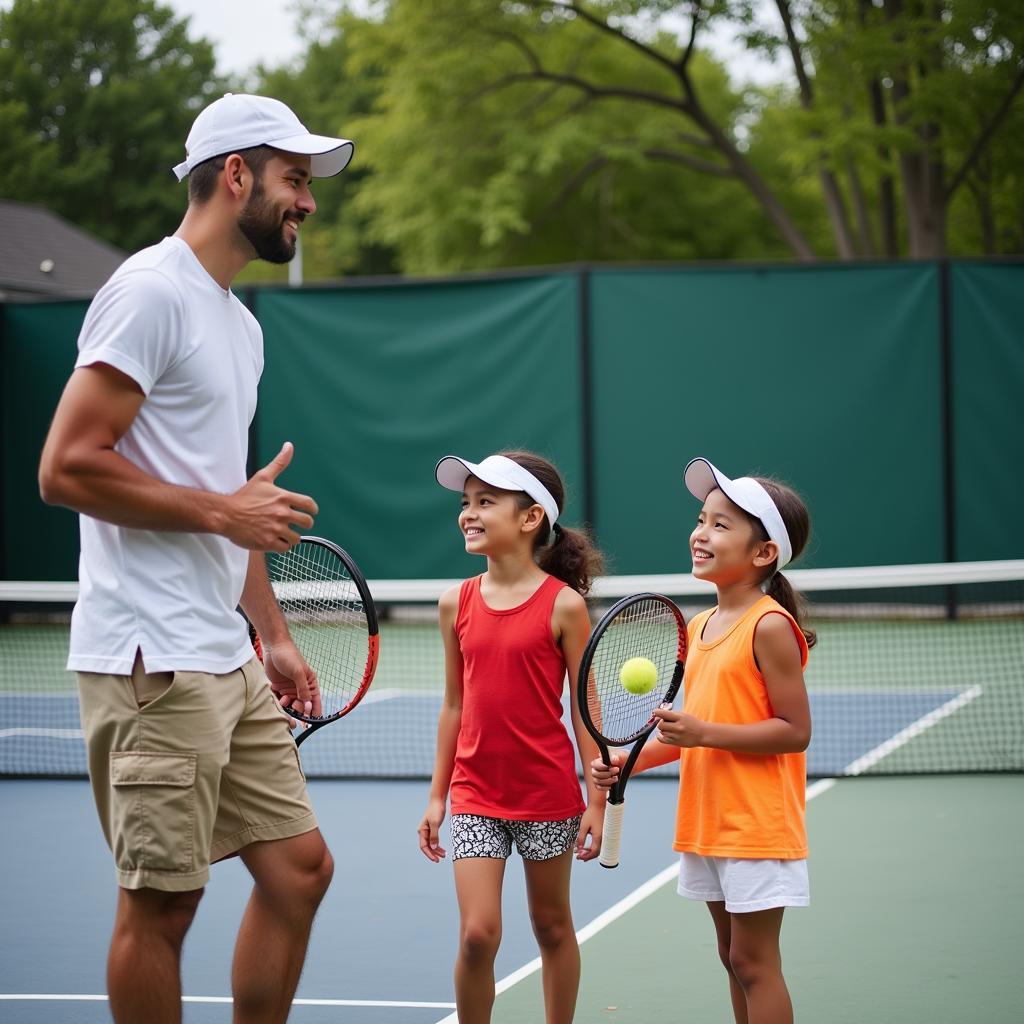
[(202, 179), (798, 525), (571, 555)]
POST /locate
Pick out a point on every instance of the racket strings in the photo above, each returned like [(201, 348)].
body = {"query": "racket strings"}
[(648, 629), (327, 619)]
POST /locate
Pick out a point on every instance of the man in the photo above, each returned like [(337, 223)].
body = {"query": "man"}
[(190, 757)]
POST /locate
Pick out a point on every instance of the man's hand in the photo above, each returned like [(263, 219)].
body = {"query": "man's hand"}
[(261, 515), (293, 682)]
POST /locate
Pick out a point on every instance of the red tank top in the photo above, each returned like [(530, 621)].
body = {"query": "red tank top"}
[(514, 758)]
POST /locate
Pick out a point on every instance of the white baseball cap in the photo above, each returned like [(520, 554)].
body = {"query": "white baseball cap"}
[(702, 478), (239, 121), (498, 471)]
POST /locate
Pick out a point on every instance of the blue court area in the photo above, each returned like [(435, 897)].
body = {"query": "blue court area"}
[(848, 724), (384, 942), (385, 939)]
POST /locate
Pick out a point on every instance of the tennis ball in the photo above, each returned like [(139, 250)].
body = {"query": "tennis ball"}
[(638, 675)]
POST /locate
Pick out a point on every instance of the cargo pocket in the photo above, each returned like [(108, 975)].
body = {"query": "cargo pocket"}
[(153, 812)]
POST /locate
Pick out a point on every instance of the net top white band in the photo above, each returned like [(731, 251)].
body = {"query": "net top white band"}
[(702, 478), (498, 471)]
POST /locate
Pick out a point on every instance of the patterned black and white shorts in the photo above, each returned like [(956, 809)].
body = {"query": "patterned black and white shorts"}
[(474, 835)]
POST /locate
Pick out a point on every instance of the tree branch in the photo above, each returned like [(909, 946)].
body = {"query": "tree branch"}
[(985, 136), (574, 183), (684, 60), (591, 90), (693, 162), (793, 44), (602, 26)]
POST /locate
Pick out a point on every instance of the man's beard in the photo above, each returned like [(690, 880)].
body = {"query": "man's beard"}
[(263, 226)]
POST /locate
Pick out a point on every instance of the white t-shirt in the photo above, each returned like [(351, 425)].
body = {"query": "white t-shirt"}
[(197, 354)]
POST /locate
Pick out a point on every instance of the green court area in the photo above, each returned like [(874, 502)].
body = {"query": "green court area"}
[(859, 655), (916, 917)]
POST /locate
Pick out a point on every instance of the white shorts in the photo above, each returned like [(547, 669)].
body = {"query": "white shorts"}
[(744, 885)]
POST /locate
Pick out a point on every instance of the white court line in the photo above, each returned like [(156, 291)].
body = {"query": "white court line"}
[(395, 692), (385, 1003), (50, 734), (872, 757), (638, 895), (815, 789), (603, 919)]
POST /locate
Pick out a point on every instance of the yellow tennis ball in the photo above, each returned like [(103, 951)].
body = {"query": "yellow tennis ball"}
[(638, 675)]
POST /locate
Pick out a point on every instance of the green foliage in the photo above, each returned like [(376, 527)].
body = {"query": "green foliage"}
[(467, 157), (329, 97), (474, 167), (942, 72), (96, 98)]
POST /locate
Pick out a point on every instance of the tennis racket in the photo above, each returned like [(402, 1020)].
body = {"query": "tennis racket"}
[(645, 626), (331, 617)]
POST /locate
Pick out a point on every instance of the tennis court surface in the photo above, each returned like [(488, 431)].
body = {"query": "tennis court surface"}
[(916, 889)]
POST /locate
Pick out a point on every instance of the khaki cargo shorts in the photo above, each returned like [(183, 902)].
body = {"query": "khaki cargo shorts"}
[(187, 768)]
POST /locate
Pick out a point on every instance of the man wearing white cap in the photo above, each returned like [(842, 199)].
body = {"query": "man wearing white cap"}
[(190, 757)]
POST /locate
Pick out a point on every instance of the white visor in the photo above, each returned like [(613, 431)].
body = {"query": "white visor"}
[(702, 478), (498, 471)]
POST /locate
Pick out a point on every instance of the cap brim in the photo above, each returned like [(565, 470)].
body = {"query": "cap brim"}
[(329, 156)]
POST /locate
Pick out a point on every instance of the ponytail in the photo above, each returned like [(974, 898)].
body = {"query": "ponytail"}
[(792, 600), (568, 555), (571, 557)]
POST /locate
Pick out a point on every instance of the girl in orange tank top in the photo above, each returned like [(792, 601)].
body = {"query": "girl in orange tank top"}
[(504, 758), (741, 736)]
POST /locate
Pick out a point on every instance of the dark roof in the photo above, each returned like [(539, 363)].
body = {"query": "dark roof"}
[(42, 256)]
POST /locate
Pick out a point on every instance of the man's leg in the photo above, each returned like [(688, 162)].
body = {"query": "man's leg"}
[(291, 877), (143, 971)]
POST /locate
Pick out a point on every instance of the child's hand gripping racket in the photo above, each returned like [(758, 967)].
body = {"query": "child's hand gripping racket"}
[(330, 615), (632, 664)]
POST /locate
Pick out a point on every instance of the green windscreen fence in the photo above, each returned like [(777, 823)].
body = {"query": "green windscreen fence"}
[(39, 542), (832, 378), (988, 409), (375, 385), (827, 378)]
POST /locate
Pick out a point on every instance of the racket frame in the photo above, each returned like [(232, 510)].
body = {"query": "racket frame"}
[(609, 857), (373, 640)]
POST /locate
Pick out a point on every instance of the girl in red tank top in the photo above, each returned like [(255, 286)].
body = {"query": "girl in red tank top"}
[(741, 736), (504, 757)]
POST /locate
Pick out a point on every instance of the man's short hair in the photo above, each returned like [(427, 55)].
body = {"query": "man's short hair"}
[(202, 179)]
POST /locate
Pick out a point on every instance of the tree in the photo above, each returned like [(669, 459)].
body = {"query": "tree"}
[(905, 102), (481, 157), (96, 99), (895, 107), (329, 98)]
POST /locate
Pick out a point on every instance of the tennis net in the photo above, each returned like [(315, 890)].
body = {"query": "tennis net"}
[(918, 669)]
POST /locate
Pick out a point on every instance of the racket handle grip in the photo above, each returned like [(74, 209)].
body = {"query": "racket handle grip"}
[(612, 835)]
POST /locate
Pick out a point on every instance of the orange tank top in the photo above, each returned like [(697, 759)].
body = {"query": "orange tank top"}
[(732, 804)]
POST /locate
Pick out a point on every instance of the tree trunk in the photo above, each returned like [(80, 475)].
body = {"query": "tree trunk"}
[(758, 187), (860, 207), (982, 192), (886, 184), (921, 171), (830, 190)]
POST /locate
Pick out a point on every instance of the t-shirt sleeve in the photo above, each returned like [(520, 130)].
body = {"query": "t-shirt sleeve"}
[(135, 325)]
